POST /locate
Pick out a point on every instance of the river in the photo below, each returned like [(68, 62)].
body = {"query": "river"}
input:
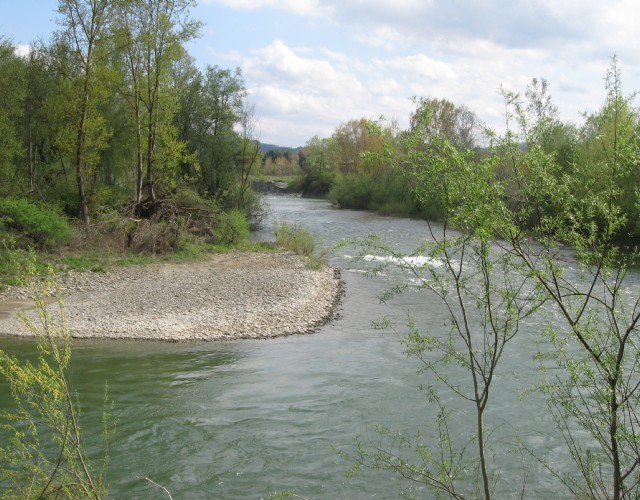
[(247, 418)]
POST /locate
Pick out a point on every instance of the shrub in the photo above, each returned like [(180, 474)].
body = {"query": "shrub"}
[(294, 237), (187, 197), (43, 224), (386, 193), (232, 228), (314, 183), (354, 191), (154, 238)]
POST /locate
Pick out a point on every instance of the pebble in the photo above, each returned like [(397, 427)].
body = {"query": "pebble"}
[(229, 296)]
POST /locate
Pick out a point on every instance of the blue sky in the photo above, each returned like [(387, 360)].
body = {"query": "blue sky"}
[(310, 65)]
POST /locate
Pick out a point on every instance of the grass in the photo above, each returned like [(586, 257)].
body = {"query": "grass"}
[(293, 237), (298, 239), (102, 261)]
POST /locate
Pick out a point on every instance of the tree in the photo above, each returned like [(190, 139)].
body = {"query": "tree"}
[(576, 211), (485, 293), (45, 455), (444, 119), (39, 84), (354, 138), (85, 25), (597, 392), (190, 118), (12, 95), (319, 161), (249, 154), (225, 91), (151, 33)]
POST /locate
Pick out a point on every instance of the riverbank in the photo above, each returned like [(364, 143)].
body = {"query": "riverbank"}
[(229, 296)]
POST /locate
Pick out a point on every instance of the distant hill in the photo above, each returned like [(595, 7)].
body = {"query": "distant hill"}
[(265, 148)]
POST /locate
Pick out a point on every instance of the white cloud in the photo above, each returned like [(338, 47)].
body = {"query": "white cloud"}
[(307, 96), (279, 64), (22, 49), (307, 8), (371, 56)]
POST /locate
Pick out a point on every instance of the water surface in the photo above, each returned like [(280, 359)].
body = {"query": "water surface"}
[(246, 418)]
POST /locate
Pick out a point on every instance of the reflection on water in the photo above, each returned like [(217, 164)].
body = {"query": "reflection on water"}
[(245, 419)]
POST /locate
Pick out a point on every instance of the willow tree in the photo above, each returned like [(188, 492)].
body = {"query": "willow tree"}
[(562, 246), (594, 331), (487, 295)]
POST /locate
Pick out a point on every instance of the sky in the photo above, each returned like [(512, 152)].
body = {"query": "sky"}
[(311, 65)]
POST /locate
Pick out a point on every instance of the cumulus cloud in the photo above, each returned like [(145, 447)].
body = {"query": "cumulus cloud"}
[(309, 8), (292, 86), (378, 54), (22, 49)]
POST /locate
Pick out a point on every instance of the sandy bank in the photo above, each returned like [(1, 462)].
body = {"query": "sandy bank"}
[(229, 296)]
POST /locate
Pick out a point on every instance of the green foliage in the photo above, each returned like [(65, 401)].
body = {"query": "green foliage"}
[(440, 118), (318, 161), (12, 95), (94, 126), (594, 332), (83, 263), (492, 276), (44, 453), (315, 183), (436, 460), (42, 224), (294, 237), (386, 193), (11, 260), (298, 239), (487, 294), (232, 228), (189, 198)]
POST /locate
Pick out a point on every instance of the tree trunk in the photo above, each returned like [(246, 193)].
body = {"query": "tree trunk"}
[(84, 209)]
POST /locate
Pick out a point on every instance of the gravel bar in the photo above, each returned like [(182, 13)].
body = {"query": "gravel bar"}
[(235, 295)]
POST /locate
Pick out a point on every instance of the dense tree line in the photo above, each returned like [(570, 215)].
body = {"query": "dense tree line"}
[(112, 114), (357, 167)]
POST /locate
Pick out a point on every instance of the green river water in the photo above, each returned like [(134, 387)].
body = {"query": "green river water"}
[(247, 418)]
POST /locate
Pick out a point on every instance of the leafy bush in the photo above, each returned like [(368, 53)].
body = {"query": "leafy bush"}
[(186, 197), (232, 228), (43, 224), (386, 193), (104, 197), (314, 183), (354, 191), (294, 237)]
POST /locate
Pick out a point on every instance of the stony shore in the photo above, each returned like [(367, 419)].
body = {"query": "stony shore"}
[(229, 296)]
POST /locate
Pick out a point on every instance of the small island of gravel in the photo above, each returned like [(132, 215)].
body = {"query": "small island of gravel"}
[(228, 296)]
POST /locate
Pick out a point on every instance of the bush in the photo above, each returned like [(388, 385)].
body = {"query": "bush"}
[(314, 183), (155, 238), (232, 228), (44, 454), (294, 237), (354, 191), (43, 224), (386, 193), (187, 197)]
